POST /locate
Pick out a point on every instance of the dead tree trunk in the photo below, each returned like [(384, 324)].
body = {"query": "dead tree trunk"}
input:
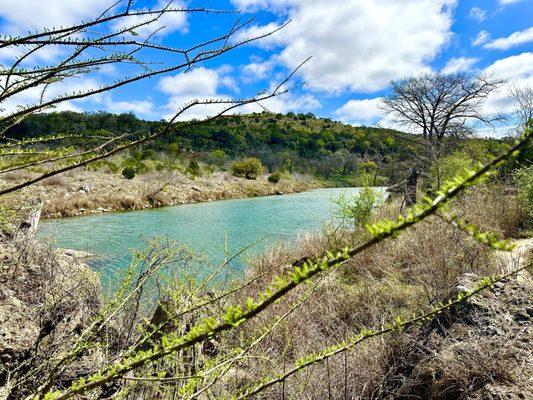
[(411, 187)]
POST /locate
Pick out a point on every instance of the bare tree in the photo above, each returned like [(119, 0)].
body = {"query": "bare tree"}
[(110, 38), (523, 97), (437, 105)]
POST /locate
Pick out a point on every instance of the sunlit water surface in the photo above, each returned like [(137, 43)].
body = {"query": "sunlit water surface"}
[(212, 229)]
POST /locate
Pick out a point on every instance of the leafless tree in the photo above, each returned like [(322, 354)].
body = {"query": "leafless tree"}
[(523, 97), (108, 39), (438, 105)]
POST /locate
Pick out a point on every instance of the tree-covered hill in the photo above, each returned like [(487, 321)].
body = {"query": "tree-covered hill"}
[(300, 143)]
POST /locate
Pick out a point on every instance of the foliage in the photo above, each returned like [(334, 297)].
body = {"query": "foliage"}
[(249, 168), (275, 177), (193, 168), (294, 143), (523, 178), (218, 157), (465, 156), (357, 208), (129, 172), (8, 217), (162, 346)]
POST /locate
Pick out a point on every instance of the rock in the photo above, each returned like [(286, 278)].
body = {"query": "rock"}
[(196, 188), (85, 189), (479, 351), (279, 193)]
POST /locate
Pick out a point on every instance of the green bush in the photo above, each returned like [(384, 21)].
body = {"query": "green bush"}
[(356, 208), (523, 178), (275, 177), (193, 168), (249, 168), (448, 167), (129, 172), (217, 157)]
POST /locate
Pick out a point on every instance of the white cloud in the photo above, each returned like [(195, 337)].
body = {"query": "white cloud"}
[(33, 95), (257, 70), (21, 16), (208, 84), (515, 39), (255, 5), (199, 81), (167, 23), (143, 108), (519, 66), (358, 45), (478, 14), (284, 103), (360, 112), (461, 64), (506, 2), (198, 84), (516, 69), (481, 38)]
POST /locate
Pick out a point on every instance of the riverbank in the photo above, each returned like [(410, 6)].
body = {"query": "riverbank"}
[(89, 192)]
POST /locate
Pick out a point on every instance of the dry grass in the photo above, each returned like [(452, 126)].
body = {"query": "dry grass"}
[(20, 175), (72, 206), (395, 278), (56, 180)]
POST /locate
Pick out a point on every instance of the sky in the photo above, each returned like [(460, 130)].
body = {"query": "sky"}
[(357, 48)]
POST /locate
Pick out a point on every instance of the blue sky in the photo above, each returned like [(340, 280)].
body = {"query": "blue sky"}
[(357, 48)]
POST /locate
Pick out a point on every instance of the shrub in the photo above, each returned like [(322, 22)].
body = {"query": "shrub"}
[(523, 178), (217, 157), (249, 168), (193, 168), (274, 177), (356, 208), (129, 172), (448, 167)]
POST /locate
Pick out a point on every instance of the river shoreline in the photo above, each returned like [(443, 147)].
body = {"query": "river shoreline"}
[(93, 192)]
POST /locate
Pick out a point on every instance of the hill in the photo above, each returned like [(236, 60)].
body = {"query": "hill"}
[(299, 143)]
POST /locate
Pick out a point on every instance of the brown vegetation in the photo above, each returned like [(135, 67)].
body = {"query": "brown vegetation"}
[(396, 278), (96, 191)]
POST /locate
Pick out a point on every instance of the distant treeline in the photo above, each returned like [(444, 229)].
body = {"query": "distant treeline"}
[(294, 142)]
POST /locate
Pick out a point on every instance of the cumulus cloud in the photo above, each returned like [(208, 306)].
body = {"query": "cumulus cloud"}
[(198, 84), (517, 70), (284, 103), (257, 70), (144, 108), (167, 23), (357, 45), (209, 84), (481, 38), (34, 95), (460, 64), (478, 14), (360, 112), (21, 16), (515, 39)]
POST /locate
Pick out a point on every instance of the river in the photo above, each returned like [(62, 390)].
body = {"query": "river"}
[(213, 229)]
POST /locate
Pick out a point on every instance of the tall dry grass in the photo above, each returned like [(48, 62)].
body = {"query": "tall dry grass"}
[(396, 278)]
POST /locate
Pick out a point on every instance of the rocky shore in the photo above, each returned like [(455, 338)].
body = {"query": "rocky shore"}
[(87, 192)]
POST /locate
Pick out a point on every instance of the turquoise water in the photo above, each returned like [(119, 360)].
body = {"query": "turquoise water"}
[(208, 228)]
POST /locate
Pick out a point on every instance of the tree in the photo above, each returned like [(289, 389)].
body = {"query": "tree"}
[(523, 97), (249, 168), (120, 34), (438, 105)]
